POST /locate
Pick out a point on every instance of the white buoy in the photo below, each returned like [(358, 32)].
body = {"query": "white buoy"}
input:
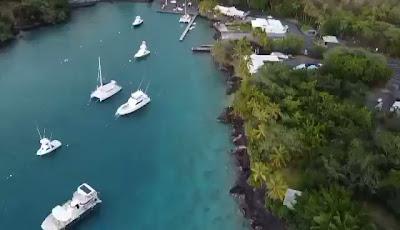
[(130, 60)]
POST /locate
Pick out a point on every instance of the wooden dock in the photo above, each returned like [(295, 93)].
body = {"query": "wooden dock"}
[(188, 28)]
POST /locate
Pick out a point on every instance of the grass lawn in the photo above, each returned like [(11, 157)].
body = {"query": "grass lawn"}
[(239, 27)]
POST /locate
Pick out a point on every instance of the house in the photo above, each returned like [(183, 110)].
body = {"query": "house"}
[(290, 198), (230, 11), (330, 41), (272, 27), (256, 61)]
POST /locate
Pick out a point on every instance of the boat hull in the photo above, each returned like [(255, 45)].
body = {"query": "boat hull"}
[(137, 55), (136, 24), (74, 222), (55, 143), (125, 109), (110, 89)]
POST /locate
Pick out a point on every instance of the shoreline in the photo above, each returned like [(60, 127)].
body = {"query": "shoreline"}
[(18, 30), (251, 201)]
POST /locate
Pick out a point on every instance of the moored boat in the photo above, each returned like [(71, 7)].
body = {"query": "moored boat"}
[(143, 51), (138, 21), (137, 100), (47, 145), (104, 91), (84, 199)]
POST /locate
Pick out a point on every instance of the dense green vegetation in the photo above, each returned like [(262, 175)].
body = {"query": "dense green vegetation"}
[(291, 44), (373, 23), (310, 131), (15, 14)]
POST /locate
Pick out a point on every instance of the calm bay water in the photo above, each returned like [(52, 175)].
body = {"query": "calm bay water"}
[(165, 167)]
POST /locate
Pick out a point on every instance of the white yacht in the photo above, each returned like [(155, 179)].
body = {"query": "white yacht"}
[(137, 100), (138, 21), (47, 145), (102, 91), (84, 199), (186, 18), (143, 51)]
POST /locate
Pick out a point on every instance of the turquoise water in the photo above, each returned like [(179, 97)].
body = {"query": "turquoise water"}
[(164, 167)]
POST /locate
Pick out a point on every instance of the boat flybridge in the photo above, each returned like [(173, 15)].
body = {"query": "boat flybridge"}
[(47, 145), (138, 21), (104, 91), (137, 100), (84, 199), (143, 51), (186, 18)]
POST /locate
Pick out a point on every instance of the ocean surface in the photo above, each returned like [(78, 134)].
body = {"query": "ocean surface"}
[(166, 166)]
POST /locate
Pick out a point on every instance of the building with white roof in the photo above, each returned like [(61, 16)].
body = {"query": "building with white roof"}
[(256, 61), (230, 11), (290, 198), (330, 40), (272, 27)]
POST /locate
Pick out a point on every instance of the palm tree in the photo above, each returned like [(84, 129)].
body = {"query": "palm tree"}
[(259, 132), (259, 173), (277, 187), (278, 157)]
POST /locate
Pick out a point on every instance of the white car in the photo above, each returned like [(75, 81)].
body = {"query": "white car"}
[(308, 66)]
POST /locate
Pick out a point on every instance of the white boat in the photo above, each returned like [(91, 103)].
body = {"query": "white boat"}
[(137, 100), (138, 21), (186, 18), (143, 51), (47, 145), (102, 91), (84, 199)]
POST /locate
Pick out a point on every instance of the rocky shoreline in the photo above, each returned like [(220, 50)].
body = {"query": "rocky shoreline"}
[(251, 200)]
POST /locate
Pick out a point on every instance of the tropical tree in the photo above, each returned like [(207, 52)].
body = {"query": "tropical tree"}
[(278, 157), (276, 186), (329, 209), (259, 174)]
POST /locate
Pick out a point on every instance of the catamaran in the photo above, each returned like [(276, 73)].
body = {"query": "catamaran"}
[(84, 199), (137, 100), (103, 92), (138, 21), (143, 51), (47, 145), (186, 17)]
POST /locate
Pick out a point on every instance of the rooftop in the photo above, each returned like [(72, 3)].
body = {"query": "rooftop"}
[(269, 25), (230, 11), (330, 39), (256, 61)]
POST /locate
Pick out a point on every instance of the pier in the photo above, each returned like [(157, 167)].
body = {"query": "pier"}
[(188, 27)]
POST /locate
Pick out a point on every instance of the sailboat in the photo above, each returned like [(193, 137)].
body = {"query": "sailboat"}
[(47, 145), (186, 17), (137, 100), (102, 91)]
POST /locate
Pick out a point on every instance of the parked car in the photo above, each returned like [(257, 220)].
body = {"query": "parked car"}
[(308, 66)]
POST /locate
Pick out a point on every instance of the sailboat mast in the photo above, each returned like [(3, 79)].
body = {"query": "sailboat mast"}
[(99, 74), (185, 7)]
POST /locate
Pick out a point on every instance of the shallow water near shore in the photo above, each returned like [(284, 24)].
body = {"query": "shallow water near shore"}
[(166, 166)]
